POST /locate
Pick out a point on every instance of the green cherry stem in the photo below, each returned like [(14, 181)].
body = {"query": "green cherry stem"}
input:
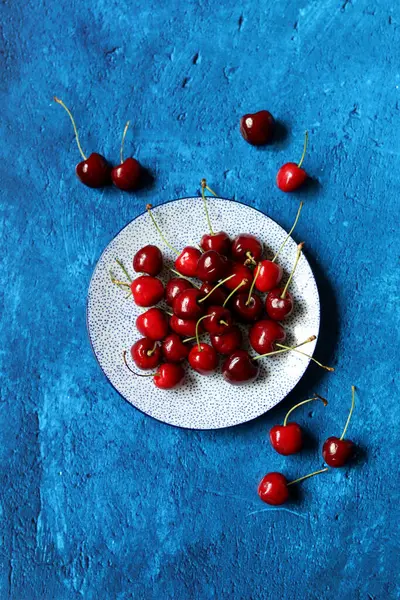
[(120, 283), (353, 390), (197, 330), (325, 402), (121, 152), (331, 369), (148, 208), (304, 149), (121, 265), (299, 251), (222, 322), (184, 277), (253, 283), (243, 282), (73, 125), (309, 475), (132, 371), (286, 348), (151, 352), (203, 184), (215, 287), (290, 233)]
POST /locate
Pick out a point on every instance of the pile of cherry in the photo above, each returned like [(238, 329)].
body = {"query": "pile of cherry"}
[(231, 272)]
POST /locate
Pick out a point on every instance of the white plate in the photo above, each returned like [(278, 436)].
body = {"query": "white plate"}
[(202, 402)]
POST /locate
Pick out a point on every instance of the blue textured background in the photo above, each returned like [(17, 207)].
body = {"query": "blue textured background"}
[(97, 500)]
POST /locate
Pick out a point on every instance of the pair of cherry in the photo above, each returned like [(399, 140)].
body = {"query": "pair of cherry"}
[(258, 129), (287, 439), (95, 171)]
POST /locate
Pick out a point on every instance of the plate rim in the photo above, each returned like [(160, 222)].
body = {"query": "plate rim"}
[(105, 374)]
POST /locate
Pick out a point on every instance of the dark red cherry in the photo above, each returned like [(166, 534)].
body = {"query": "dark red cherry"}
[(247, 310), (203, 359), (246, 248), (279, 308), (173, 349), (269, 275), (264, 334), (153, 324), (286, 439), (220, 242), (174, 287), (186, 305), (239, 368), (291, 176), (217, 297), (184, 327), (169, 376), (126, 176), (240, 273), (219, 320), (94, 171), (227, 342), (273, 489), (147, 290), (148, 260), (211, 266), (146, 354), (258, 128), (186, 263), (337, 452)]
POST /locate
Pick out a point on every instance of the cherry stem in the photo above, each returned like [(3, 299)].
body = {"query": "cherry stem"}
[(121, 265), (243, 282), (203, 184), (189, 340), (299, 251), (222, 322), (183, 277), (353, 390), (134, 372), (287, 348), (289, 234), (331, 369), (325, 402), (73, 125), (148, 208), (114, 280), (197, 330), (309, 475), (253, 283), (215, 287), (121, 152), (304, 149), (250, 259), (119, 283), (151, 352)]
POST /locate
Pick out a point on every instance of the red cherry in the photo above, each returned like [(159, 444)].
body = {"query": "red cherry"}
[(184, 327), (169, 376), (264, 334), (246, 248), (186, 304), (211, 266), (279, 308), (240, 273), (291, 176), (148, 260), (174, 287), (227, 342), (93, 171), (247, 309), (147, 290), (338, 451), (218, 296), (126, 176), (153, 324), (257, 128), (203, 359), (219, 242), (186, 263), (273, 489), (146, 354), (268, 275), (173, 349), (239, 368), (218, 320)]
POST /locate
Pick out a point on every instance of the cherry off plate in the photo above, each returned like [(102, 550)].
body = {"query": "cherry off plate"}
[(201, 402)]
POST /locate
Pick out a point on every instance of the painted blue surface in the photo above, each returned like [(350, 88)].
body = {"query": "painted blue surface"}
[(97, 500)]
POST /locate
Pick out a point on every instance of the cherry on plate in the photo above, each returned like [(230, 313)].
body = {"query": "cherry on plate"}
[(184, 327), (203, 359), (211, 266), (174, 287), (218, 320), (238, 275), (147, 290), (228, 342), (212, 294), (169, 376), (247, 308), (153, 324), (187, 306), (148, 260), (246, 249), (173, 348), (264, 334), (146, 354), (239, 368)]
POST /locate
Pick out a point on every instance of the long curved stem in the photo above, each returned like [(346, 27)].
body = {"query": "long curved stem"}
[(304, 149), (331, 369), (134, 372), (325, 402), (253, 283), (197, 331), (215, 287), (309, 475), (289, 234), (299, 251), (203, 184), (353, 390), (243, 282), (73, 125), (148, 208), (121, 152), (286, 348)]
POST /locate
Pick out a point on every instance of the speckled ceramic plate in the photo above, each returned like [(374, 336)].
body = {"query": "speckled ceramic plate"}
[(202, 402)]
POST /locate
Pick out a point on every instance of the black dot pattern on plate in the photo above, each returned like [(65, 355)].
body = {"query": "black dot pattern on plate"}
[(202, 402)]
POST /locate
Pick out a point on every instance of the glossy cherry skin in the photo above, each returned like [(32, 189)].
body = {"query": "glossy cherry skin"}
[(279, 308), (174, 287), (337, 452), (169, 376), (211, 266), (203, 360), (213, 324), (220, 242), (184, 327), (148, 260), (147, 290), (244, 245), (273, 489), (186, 263), (173, 349), (239, 368), (186, 304), (241, 273), (258, 128), (95, 172), (126, 176), (290, 177), (247, 313), (145, 355), (217, 297), (153, 324), (264, 334), (227, 342), (286, 439), (269, 275)]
